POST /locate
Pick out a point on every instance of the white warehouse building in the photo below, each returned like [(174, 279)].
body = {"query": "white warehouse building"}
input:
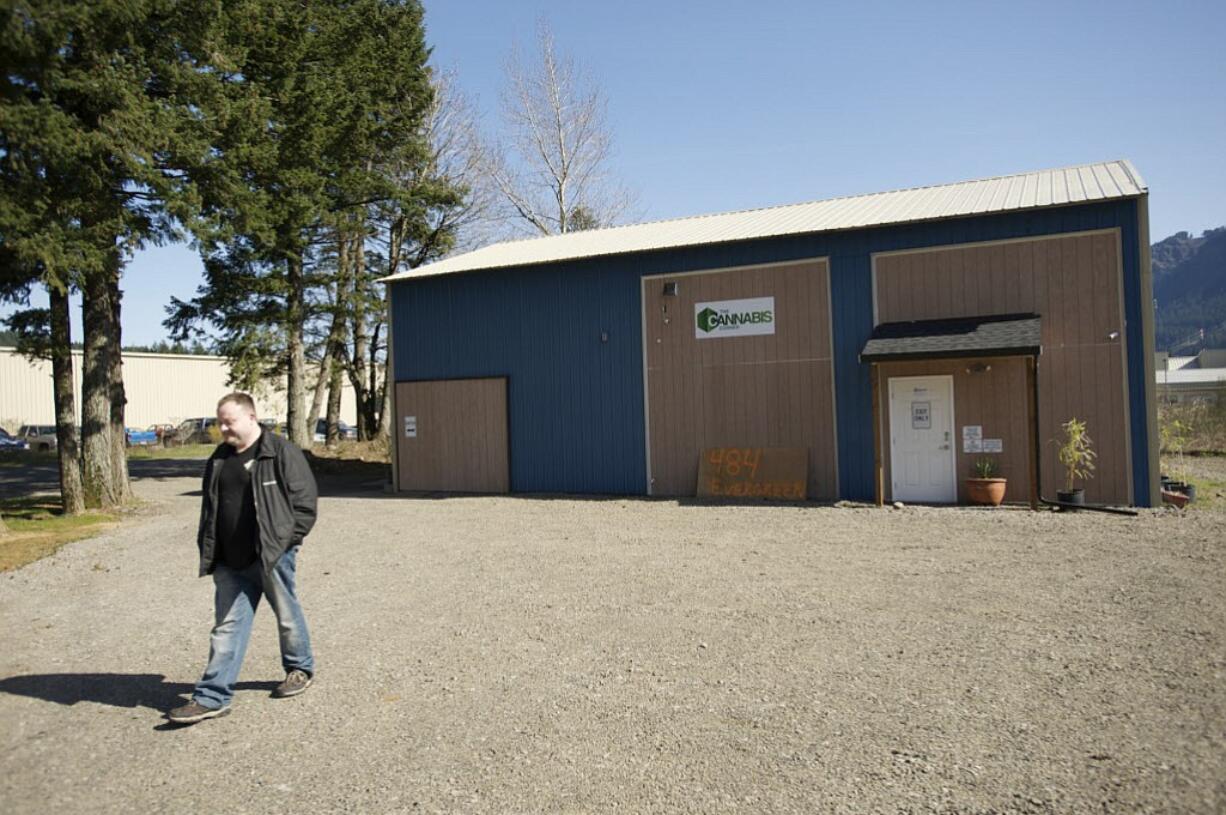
[(161, 389)]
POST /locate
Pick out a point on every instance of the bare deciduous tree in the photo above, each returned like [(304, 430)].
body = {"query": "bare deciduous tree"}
[(554, 175), (461, 216), (458, 159)]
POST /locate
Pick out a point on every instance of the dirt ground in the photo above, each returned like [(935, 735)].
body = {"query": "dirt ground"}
[(523, 655)]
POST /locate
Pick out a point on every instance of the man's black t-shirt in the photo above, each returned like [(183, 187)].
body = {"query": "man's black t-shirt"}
[(236, 522)]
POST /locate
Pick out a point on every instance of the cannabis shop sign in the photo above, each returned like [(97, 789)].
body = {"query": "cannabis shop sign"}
[(734, 318)]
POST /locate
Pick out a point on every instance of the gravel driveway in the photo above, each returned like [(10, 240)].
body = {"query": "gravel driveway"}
[(509, 655)]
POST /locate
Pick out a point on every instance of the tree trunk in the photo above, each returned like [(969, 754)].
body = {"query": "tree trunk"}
[(336, 337), (97, 475), (321, 388), (363, 396), (376, 371), (383, 395), (72, 496), (295, 317), (385, 412), (335, 388), (119, 436)]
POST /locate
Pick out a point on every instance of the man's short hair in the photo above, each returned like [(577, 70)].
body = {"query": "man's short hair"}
[(242, 400)]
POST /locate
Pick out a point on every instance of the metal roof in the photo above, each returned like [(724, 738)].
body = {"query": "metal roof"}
[(1186, 376), (996, 335), (1043, 188)]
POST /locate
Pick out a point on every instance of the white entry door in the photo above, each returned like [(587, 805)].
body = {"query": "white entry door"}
[(922, 439)]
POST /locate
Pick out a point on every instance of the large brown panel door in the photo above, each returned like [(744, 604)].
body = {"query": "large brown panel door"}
[(451, 435), (764, 390)]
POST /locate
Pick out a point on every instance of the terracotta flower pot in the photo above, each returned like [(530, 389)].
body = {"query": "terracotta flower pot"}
[(1184, 487), (986, 491)]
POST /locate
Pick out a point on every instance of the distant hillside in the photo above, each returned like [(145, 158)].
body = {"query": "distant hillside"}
[(1190, 290)]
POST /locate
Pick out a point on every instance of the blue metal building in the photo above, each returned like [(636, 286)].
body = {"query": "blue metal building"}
[(561, 319)]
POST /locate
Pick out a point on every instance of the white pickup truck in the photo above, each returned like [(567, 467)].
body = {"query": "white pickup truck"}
[(40, 437)]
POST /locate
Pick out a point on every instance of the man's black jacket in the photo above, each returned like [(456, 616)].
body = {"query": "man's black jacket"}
[(285, 497)]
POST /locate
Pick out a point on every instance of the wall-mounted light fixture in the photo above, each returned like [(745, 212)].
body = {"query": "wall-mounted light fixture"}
[(978, 368), (670, 289)]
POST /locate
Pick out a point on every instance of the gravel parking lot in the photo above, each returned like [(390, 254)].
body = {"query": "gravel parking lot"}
[(506, 655)]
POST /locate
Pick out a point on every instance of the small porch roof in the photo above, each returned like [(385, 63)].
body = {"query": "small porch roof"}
[(998, 335)]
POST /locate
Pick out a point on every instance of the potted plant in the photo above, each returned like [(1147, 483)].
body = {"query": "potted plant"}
[(1077, 456), (986, 487)]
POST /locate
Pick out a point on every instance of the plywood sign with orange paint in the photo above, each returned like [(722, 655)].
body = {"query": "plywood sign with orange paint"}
[(778, 473)]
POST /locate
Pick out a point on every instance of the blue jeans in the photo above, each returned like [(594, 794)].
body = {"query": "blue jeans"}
[(236, 599)]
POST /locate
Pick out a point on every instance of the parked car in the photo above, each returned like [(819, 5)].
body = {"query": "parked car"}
[(347, 432), (40, 437), (10, 442), (140, 438), (161, 430), (192, 431)]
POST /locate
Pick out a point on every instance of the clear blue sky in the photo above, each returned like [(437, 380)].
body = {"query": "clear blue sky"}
[(719, 106)]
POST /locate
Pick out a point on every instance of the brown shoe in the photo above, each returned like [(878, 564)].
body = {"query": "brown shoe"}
[(194, 712), (296, 682)]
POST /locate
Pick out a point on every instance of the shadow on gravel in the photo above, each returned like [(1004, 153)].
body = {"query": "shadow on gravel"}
[(334, 487), (118, 690), (27, 479), (166, 468)]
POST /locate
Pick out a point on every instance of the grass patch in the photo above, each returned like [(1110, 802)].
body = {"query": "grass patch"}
[(24, 458), (1206, 473), (200, 451), (38, 527), (1210, 495)]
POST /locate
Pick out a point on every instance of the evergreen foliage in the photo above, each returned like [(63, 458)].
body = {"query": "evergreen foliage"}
[(99, 118), (101, 130), (322, 127)]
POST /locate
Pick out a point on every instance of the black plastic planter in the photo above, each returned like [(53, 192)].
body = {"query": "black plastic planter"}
[(1076, 497)]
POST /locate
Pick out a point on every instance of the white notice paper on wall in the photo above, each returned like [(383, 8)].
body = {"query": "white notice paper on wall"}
[(993, 446), (972, 438), (410, 427)]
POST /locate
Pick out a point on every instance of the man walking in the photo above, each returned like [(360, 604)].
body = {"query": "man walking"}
[(259, 504)]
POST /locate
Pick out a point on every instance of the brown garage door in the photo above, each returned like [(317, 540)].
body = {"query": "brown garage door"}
[(451, 435), (750, 386)]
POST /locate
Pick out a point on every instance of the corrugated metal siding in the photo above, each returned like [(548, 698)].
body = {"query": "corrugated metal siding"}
[(576, 407), (26, 392), (1044, 188), (575, 403), (160, 388)]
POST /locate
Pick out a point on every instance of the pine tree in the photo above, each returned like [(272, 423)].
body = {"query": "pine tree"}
[(99, 123), (324, 97)]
